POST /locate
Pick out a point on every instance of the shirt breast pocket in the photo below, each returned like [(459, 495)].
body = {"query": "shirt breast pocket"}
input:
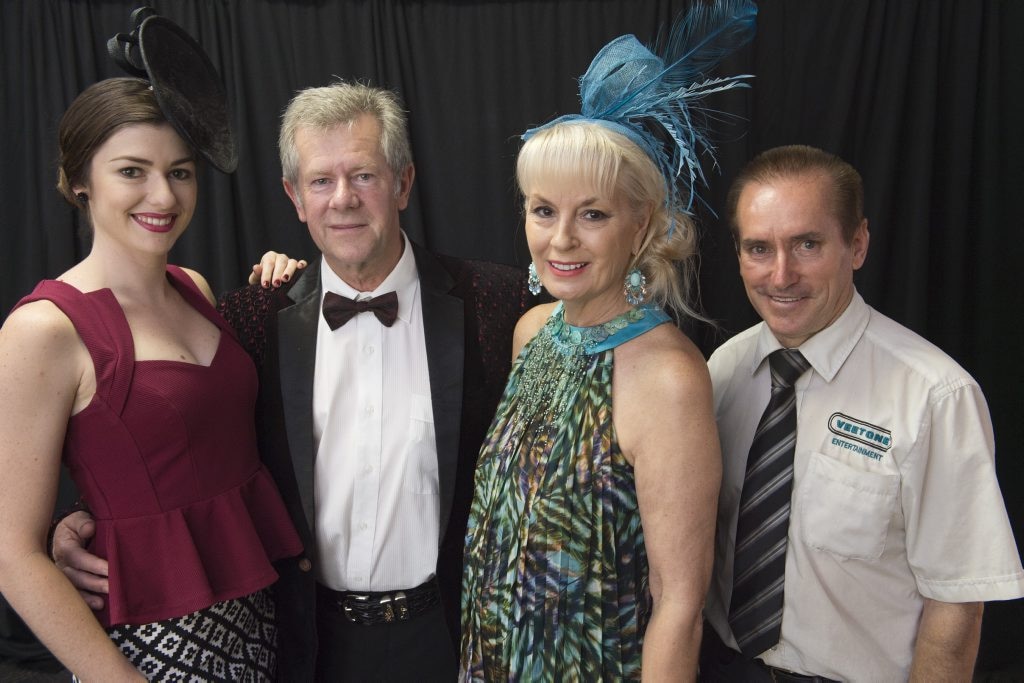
[(421, 455), (845, 511)]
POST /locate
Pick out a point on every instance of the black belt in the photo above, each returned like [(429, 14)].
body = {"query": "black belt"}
[(783, 676), (369, 608)]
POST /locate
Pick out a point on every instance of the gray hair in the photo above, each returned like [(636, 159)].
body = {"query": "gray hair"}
[(340, 103)]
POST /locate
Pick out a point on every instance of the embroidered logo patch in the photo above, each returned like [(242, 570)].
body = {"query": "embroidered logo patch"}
[(864, 432)]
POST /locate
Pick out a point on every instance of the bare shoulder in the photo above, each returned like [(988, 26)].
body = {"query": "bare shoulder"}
[(38, 338), (664, 361), (202, 284), (662, 400), (529, 325), (41, 324)]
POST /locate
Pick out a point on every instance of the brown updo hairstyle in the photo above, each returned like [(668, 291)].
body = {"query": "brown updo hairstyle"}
[(96, 114)]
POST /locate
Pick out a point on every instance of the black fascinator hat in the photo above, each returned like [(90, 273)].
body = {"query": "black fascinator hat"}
[(184, 80)]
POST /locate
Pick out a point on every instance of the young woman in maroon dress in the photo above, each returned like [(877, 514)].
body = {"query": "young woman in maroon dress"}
[(122, 368)]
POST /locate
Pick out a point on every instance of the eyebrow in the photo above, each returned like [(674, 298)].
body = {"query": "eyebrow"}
[(544, 200), (148, 162), (811, 235)]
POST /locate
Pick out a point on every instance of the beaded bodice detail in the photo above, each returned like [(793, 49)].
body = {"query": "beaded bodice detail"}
[(561, 351)]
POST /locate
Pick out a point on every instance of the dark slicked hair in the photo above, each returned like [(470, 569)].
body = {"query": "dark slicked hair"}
[(795, 161)]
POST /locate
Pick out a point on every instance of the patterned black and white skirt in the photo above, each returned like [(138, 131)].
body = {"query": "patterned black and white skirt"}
[(232, 641)]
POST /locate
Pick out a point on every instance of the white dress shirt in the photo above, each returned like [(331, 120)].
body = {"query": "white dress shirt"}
[(376, 474), (895, 497)]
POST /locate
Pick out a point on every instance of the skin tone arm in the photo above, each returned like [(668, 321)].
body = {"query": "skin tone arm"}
[(45, 375), (947, 641), (677, 464)]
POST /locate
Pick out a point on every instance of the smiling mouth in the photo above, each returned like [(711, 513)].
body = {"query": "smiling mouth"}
[(566, 267), (155, 223)]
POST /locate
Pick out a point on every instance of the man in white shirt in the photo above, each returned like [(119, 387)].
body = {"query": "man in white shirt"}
[(380, 369), (897, 532)]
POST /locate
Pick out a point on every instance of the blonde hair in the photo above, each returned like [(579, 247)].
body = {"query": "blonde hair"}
[(612, 164)]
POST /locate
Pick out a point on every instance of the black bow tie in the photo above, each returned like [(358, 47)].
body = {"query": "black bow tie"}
[(339, 309)]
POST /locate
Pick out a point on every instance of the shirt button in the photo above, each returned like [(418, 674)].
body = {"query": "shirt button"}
[(369, 410), (305, 565), (362, 526), (368, 469), (368, 350)]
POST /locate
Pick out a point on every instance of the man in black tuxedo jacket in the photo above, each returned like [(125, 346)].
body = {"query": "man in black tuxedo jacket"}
[(380, 370)]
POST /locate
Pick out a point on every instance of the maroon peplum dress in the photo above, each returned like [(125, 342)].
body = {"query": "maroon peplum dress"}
[(165, 457)]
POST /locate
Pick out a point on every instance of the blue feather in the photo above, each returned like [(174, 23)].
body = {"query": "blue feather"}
[(635, 89)]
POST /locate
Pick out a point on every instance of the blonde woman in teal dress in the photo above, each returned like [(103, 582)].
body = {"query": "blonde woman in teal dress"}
[(589, 545)]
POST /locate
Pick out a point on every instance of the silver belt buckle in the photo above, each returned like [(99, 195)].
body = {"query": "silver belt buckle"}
[(395, 607), (350, 613)]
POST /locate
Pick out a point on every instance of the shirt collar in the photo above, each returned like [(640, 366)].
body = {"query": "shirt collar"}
[(827, 350), (403, 280)]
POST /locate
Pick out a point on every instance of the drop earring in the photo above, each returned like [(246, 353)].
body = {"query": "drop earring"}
[(635, 287), (533, 281)]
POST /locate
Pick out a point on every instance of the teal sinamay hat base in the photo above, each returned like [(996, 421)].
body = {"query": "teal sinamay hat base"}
[(652, 99)]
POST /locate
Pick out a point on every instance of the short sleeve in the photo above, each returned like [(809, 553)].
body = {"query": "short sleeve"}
[(960, 545)]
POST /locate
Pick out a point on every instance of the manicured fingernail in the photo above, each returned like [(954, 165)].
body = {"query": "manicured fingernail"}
[(286, 278), (277, 283)]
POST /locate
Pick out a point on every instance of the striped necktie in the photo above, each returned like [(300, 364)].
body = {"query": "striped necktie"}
[(759, 570)]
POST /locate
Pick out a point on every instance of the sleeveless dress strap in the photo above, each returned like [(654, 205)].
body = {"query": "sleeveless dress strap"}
[(103, 329), (186, 286)]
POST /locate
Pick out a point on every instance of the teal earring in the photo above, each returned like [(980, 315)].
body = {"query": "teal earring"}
[(635, 287), (533, 281)]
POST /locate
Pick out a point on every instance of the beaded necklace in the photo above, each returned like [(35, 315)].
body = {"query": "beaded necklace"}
[(558, 357)]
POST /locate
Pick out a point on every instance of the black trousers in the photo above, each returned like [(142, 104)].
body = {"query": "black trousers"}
[(420, 649), (721, 664)]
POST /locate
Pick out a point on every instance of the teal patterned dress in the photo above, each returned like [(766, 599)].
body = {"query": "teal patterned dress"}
[(555, 584)]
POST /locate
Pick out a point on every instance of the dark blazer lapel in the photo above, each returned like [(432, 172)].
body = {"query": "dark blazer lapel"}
[(443, 323), (297, 327)]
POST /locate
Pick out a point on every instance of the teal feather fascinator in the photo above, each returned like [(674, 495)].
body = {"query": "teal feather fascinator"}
[(651, 95)]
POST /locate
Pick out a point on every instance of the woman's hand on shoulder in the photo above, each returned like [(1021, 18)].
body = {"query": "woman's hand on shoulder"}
[(529, 325), (275, 269)]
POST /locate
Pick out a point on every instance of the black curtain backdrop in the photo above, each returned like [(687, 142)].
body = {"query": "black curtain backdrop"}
[(924, 97)]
